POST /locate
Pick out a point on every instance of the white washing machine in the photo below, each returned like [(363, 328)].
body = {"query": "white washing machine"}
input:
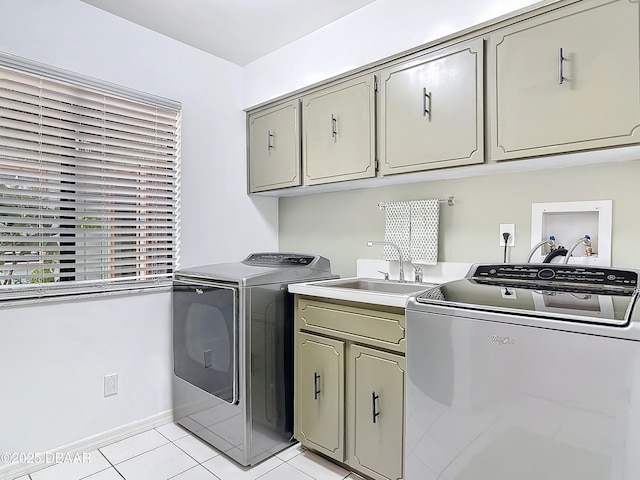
[(525, 372)]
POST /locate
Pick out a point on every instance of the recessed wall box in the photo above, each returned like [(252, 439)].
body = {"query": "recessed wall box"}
[(568, 222)]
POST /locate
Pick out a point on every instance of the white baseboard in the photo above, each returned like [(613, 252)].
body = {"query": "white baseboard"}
[(89, 444)]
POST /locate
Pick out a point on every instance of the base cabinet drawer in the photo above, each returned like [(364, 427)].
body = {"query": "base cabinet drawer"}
[(372, 325)]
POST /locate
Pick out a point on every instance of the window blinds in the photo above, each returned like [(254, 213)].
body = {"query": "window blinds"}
[(89, 186)]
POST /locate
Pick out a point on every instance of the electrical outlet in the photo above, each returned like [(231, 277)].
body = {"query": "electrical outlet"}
[(509, 293), (509, 228), (110, 384)]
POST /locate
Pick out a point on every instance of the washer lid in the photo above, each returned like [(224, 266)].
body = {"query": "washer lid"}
[(262, 269), (561, 293)]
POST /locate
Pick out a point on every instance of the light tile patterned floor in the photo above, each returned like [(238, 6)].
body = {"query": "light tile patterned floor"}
[(171, 452)]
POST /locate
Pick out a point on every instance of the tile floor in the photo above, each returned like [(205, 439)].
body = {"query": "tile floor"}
[(171, 452)]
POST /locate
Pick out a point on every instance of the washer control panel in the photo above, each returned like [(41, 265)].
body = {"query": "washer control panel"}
[(557, 273), (279, 259)]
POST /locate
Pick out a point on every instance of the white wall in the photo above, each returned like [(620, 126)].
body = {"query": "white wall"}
[(338, 225), (53, 357), (376, 31)]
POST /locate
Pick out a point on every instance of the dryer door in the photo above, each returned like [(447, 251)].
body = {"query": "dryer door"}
[(205, 337)]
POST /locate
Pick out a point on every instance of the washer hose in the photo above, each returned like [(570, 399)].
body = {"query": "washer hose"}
[(555, 253)]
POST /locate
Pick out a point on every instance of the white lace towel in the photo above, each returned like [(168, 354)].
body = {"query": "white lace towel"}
[(397, 229), (424, 221)]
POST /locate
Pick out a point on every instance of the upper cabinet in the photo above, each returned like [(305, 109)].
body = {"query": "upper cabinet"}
[(338, 134), (566, 81), (431, 111), (560, 78), (274, 147)]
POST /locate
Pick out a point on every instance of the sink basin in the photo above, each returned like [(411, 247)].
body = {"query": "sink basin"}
[(373, 285)]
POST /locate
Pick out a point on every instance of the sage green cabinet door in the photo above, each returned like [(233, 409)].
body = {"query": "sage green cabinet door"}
[(319, 394), (274, 147), (338, 139), (432, 113), (567, 81), (377, 413)]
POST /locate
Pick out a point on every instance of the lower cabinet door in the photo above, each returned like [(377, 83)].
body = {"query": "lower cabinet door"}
[(376, 413), (319, 394)]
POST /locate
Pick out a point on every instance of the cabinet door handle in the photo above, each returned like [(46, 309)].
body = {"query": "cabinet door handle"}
[(560, 67), (374, 400), (334, 127), (426, 103), (269, 140), (316, 386)]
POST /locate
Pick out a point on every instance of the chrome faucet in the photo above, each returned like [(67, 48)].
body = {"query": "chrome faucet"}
[(417, 270), (391, 244)]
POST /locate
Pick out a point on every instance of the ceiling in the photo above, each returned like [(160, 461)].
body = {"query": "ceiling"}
[(239, 31)]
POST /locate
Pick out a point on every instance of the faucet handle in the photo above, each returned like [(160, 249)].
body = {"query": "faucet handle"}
[(386, 274), (417, 274)]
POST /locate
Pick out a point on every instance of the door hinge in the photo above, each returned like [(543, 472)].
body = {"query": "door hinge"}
[(375, 84), (377, 165)]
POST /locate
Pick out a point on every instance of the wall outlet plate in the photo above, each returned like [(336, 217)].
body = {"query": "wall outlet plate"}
[(509, 228), (110, 384)]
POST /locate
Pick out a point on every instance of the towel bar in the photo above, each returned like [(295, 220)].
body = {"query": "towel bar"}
[(451, 201)]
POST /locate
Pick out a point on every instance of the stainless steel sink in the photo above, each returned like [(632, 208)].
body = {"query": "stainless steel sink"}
[(376, 285)]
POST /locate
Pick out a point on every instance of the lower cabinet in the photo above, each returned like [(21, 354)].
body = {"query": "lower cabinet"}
[(349, 385), (375, 415), (320, 394)]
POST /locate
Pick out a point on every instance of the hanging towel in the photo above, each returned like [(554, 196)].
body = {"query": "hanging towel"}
[(397, 229), (424, 220)]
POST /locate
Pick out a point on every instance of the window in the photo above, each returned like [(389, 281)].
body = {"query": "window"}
[(88, 188)]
